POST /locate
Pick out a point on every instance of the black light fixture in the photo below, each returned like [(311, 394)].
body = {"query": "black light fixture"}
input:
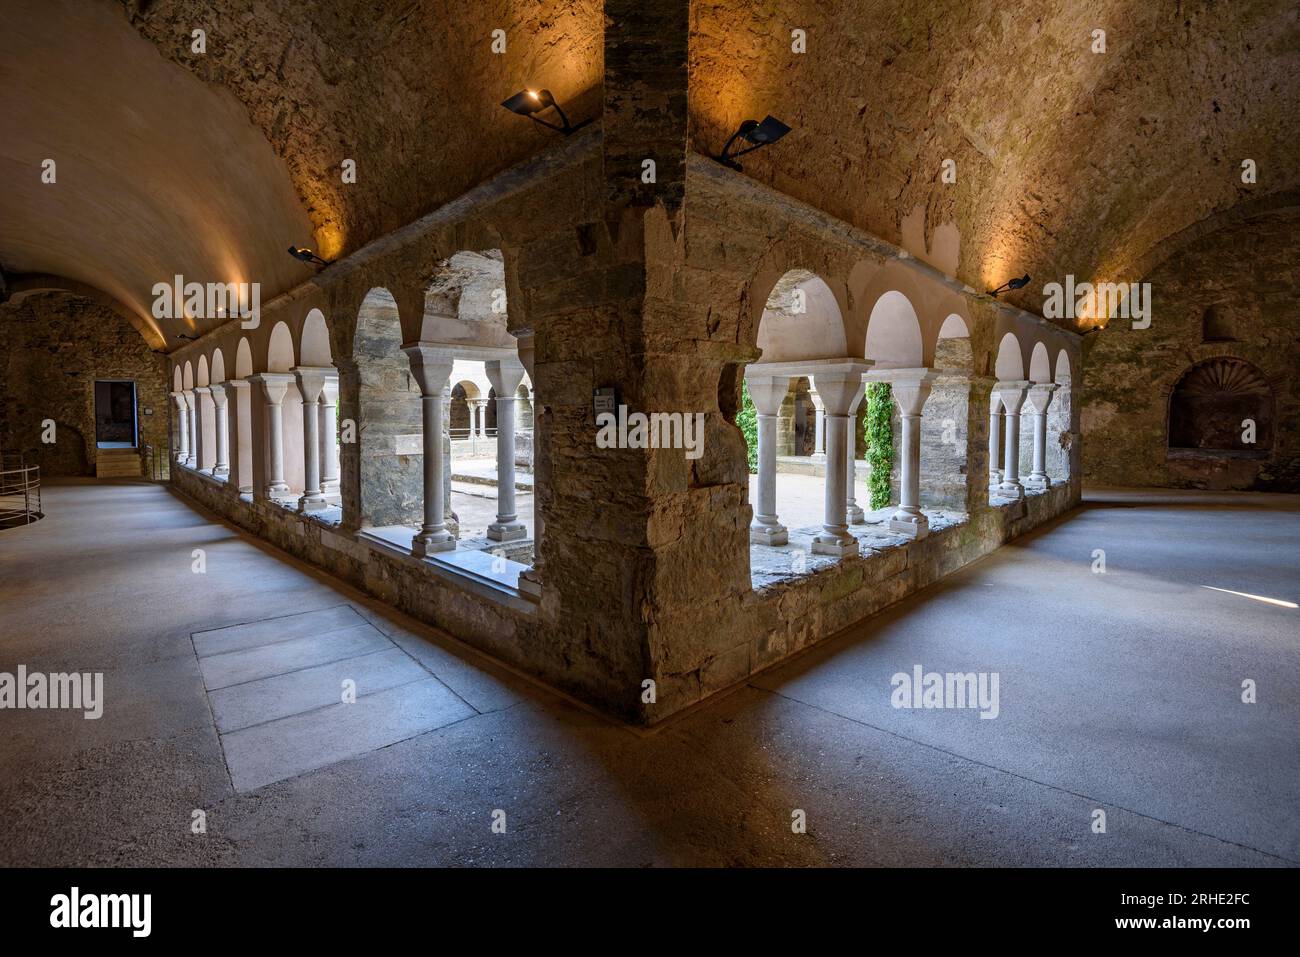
[(306, 255), (181, 335), (1019, 283), (531, 102), (756, 133)]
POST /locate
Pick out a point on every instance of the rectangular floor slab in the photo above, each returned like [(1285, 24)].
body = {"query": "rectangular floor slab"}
[(270, 630), (285, 748), (236, 667), (268, 699)]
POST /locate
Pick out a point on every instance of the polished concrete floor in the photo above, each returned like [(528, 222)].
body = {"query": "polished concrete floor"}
[(1118, 692)]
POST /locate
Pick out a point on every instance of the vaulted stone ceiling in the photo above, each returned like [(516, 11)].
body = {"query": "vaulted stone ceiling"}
[(1067, 161)]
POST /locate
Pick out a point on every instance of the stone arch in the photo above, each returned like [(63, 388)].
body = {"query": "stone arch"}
[(389, 441), (465, 303), (946, 423), (243, 359), (314, 343), (1010, 363), (187, 380), (953, 348), (894, 338), (801, 319), (279, 349), (1040, 364), (1063, 375), (178, 382), (460, 415), (218, 368), (1210, 402), (201, 373)]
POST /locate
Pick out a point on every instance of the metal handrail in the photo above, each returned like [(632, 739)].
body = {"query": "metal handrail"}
[(20, 490)]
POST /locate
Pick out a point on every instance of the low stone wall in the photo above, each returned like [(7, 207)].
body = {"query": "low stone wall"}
[(771, 624)]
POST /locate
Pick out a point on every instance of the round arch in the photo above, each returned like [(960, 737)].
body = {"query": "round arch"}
[(894, 333), (279, 350), (801, 320), (314, 344), (1010, 363), (187, 379), (243, 360), (218, 371), (1040, 365), (1063, 374)]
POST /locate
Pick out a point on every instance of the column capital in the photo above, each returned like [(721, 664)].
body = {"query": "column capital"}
[(202, 390), (430, 365), (218, 390), (766, 391), (236, 383), (909, 387), (311, 380), (837, 381), (1012, 394), (505, 376), (1040, 395), (274, 384)]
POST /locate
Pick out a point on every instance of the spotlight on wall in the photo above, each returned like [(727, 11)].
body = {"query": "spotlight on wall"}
[(756, 133), (181, 335), (1019, 283), (531, 102), (306, 255)]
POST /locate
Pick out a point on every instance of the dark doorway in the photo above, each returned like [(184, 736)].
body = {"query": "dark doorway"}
[(116, 426), (1212, 404)]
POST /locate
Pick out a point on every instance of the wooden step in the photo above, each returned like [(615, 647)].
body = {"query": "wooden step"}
[(117, 463)]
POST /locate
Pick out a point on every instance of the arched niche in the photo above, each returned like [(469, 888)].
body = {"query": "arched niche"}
[(1217, 405)]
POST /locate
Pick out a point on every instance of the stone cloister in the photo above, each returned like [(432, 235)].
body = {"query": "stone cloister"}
[(369, 350)]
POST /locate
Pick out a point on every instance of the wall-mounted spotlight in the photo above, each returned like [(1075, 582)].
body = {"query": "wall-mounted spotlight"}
[(306, 255), (756, 133), (1018, 283), (531, 102), (181, 335)]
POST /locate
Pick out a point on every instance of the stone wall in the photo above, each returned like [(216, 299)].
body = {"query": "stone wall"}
[(53, 346), (1244, 277)]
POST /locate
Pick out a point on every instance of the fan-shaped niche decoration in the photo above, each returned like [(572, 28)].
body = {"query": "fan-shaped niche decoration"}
[(1220, 404)]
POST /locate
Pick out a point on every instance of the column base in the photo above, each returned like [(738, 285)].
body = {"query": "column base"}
[(840, 548), (818, 456), (1038, 482), (913, 526), (312, 503), (429, 543), (1011, 491), (220, 472), (855, 515), (278, 492), (995, 479), (769, 534), (530, 584), (507, 532)]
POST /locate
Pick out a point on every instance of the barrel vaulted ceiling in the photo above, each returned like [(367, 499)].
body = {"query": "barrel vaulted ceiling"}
[(209, 165)]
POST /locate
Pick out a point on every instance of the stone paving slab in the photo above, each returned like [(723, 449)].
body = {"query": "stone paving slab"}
[(282, 749), (237, 667), (255, 633), (268, 699)]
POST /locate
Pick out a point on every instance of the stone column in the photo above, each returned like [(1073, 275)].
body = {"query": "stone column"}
[(995, 439), (530, 581), (274, 387), (221, 426), (766, 391), (819, 430), (852, 511), (1040, 397), (1011, 395), (329, 434), (202, 410), (311, 381), (183, 423), (240, 437), (910, 389), (431, 368), (505, 376), (192, 442), (837, 383)]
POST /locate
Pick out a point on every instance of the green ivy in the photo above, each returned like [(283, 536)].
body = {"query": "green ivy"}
[(747, 419), (880, 442)]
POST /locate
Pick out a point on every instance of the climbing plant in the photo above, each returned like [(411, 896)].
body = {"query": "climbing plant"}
[(747, 419), (880, 442)]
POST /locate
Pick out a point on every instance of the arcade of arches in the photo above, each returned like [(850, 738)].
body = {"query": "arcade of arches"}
[(417, 419)]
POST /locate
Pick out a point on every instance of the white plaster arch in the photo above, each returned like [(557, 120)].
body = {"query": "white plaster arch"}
[(314, 344), (1040, 364), (187, 379), (894, 333), (178, 383), (1063, 376), (243, 360), (1010, 364), (201, 372), (218, 372), (801, 320), (279, 350), (954, 327)]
